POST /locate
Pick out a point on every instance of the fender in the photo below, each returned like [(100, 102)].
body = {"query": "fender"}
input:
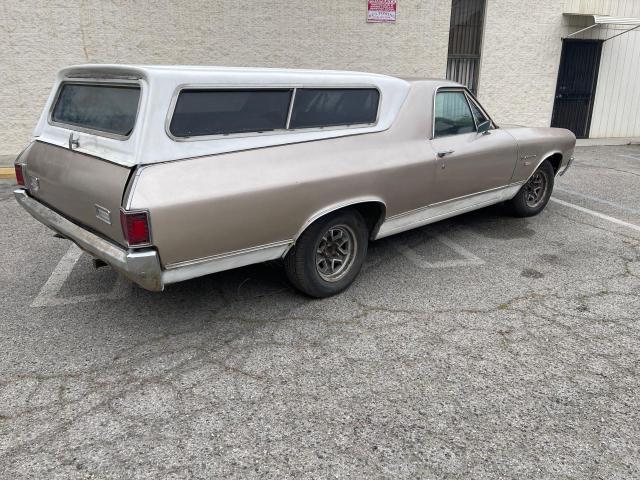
[(543, 158), (340, 205)]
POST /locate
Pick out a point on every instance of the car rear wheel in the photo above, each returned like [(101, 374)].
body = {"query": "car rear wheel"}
[(535, 194), (328, 256)]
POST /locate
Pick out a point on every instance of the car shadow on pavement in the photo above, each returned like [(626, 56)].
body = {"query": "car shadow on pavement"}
[(268, 279)]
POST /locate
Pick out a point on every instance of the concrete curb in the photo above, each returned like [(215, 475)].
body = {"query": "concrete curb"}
[(7, 173), (606, 142)]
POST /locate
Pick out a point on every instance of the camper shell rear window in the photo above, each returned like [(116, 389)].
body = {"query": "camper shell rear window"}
[(109, 109)]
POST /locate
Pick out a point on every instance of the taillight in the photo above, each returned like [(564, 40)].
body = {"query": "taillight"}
[(135, 227), (19, 174)]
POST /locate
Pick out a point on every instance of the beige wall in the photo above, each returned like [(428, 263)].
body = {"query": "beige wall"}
[(37, 38), (521, 57), (520, 60)]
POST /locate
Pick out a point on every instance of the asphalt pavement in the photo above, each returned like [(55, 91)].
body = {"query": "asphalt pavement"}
[(483, 346)]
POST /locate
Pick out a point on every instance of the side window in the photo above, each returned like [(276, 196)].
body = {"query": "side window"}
[(219, 112), (477, 113), (326, 107), (452, 114)]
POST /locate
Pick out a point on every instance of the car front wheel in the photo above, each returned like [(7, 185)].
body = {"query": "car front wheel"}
[(328, 256), (535, 194)]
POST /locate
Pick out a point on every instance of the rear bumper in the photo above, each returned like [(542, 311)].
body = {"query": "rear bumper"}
[(140, 266)]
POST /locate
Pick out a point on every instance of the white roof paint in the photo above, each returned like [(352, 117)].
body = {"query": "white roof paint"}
[(149, 141)]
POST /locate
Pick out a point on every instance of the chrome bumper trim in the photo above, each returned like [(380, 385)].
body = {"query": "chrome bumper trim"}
[(571, 159), (142, 267)]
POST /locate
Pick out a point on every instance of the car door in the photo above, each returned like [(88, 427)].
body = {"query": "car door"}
[(468, 162)]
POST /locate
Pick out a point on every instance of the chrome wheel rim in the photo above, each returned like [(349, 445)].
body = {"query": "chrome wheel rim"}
[(536, 189), (335, 252)]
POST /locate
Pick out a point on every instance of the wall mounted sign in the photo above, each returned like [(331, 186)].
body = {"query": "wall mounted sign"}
[(381, 11)]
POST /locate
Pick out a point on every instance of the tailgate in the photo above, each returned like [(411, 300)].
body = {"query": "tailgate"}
[(83, 188)]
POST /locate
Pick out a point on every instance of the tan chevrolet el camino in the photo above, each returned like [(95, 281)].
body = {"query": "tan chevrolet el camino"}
[(170, 173)]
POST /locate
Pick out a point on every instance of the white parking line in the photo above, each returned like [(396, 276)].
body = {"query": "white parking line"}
[(469, 259), (598, 214), (634, 157), (599, 200), (48, 296)]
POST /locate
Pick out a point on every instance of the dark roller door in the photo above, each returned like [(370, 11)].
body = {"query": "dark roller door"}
[(576, 87)]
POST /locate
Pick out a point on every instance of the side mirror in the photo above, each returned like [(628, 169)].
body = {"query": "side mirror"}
[(484, 127)]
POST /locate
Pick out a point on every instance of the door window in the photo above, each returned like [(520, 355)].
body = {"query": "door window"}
[(479, 117), (452, 114)]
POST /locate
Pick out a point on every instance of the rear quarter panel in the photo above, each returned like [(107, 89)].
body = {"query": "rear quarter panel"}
[(213, 205)]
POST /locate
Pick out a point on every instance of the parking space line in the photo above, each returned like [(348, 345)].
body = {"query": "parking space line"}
[(598, 214), (468, 258), (48, 295), (599, 200), (633, 157)]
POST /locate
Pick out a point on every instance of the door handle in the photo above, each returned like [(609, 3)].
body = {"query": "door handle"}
[(445, 153)]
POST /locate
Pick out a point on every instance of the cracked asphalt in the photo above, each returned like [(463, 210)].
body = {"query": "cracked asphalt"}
[(483, 346)]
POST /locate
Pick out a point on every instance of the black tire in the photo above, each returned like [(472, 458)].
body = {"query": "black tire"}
[(527, 201), (304, 263)]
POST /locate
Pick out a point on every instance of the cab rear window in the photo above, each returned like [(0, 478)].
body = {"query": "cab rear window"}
[(111, 109)]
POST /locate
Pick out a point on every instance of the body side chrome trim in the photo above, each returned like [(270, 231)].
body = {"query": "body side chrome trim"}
[(546, 156), (178, 272), (189, 263), (337, 206), (442, 210), (564, 170)]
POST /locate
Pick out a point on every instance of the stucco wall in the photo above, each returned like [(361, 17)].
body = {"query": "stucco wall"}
[(520, 60), (521, 57), (38, 38)]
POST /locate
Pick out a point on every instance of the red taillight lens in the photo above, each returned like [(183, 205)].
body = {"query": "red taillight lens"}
[(19, 174), (135, 227)]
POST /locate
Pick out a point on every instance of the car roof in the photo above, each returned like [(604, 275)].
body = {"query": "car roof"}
[(163, 84), (431, 82), (256, 74)]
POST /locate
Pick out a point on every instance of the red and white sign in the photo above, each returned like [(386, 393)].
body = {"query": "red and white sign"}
[(381, 11)]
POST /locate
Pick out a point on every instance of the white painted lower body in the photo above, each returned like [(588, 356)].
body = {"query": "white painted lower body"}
[(450, 208), (396, 224), (197, 268)]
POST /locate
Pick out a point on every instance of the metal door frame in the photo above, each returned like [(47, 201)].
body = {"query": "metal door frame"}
[(595, 79)]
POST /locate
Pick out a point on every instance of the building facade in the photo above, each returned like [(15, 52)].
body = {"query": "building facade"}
[(508, 51)]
